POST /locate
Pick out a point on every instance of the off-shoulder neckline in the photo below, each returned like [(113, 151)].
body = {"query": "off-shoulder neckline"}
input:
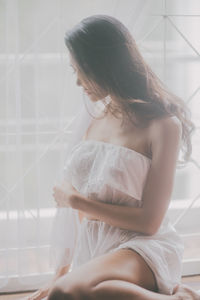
[(117, 146)]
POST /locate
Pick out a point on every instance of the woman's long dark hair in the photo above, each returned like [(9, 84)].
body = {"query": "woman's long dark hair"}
[(106, 53)]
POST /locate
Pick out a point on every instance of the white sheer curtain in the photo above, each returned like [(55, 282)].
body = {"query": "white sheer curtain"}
[(38, 99)]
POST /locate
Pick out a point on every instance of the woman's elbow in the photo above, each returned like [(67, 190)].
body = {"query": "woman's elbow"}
[(151, 228), (150, 231)]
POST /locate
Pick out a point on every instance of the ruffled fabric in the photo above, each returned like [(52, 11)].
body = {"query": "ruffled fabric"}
[(65, 229), (116, 175), (104, 164)]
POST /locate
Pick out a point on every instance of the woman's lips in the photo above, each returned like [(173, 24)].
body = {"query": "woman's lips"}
[(88, 92)]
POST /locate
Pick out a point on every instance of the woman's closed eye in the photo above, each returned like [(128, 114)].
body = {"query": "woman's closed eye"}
[(72, 68)]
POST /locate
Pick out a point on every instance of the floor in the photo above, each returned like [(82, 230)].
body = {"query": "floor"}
[(193, 281)]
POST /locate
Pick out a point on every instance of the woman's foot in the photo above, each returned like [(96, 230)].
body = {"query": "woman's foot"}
[(38, 295), (183, 292)]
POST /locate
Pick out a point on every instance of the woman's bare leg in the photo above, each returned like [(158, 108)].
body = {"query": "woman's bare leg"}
[(110, 290), (116, 289), (124, 265), (119, 275)]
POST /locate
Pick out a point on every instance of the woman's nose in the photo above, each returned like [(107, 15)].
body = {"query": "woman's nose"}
[(78, 82)]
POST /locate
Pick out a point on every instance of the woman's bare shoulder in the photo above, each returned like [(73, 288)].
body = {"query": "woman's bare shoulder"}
[(164, 124), (167, 128)]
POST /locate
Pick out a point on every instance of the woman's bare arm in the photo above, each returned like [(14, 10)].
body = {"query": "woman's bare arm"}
[(157, 191)]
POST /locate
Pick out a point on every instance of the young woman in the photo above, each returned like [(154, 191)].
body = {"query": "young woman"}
[(122, 174)]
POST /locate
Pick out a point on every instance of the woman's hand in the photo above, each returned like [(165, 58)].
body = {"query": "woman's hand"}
[(63, 194)]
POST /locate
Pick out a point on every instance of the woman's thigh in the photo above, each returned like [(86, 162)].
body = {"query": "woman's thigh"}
[(122, 264)]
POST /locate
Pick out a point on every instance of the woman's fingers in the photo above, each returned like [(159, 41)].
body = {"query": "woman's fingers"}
[(62, 194)]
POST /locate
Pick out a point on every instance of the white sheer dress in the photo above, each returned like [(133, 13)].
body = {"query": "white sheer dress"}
[(114, 174)]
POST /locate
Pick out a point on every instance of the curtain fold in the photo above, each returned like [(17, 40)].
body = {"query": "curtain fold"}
[(38, 101)]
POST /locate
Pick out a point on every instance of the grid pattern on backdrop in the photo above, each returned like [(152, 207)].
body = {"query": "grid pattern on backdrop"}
[(38, 99)]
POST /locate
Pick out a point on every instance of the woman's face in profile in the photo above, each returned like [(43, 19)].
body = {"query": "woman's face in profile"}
[(93, 91)]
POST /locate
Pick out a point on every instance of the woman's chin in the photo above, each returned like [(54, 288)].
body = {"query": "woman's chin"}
[(93, 97)]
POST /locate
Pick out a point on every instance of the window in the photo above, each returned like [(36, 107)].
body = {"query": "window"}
[(38, 98)]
